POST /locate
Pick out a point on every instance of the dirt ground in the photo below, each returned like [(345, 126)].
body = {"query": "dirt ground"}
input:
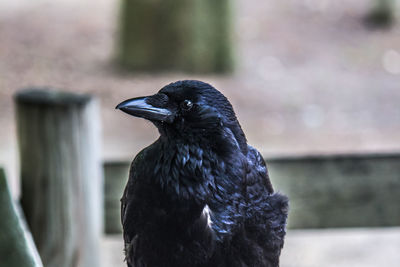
[(310, 77)]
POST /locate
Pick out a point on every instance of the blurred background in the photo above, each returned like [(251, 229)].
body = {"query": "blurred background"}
[(315, 86)]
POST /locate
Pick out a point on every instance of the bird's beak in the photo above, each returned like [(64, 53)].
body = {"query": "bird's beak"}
[(138, 107)]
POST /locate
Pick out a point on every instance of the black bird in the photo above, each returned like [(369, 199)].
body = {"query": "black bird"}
[(199, 195)]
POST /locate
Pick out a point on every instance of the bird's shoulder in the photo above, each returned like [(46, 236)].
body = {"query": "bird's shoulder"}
[(257, 172), (266, 212)]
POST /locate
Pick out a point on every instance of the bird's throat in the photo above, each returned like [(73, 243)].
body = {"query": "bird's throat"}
[(186, 170)]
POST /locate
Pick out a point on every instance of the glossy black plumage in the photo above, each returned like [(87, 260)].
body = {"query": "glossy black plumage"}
[(199, 195)]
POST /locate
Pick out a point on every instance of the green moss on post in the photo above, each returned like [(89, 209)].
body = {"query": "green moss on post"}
[(16, 244), (183, 35)]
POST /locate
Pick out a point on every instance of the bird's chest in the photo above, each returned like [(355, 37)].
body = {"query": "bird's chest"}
[(182, 179), (185, 172), (172, 211), (172, 228)]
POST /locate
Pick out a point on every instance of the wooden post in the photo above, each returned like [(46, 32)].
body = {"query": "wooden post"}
[(16, 243), (115, 177), (183, 35), (61, 175)]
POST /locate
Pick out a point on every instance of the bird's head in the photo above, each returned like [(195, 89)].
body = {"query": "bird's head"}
[(190, 110)]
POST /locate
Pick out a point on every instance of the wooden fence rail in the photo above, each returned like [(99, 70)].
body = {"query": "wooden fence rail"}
[(340, 190), (324, 191)]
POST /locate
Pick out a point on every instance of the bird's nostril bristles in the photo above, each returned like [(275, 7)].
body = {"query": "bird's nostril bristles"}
[(157, 100)]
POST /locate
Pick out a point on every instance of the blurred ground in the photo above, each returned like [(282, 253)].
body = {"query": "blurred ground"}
[(314, 248), (310, 78)]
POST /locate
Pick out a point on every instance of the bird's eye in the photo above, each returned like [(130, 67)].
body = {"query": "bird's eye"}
[(186, 105)]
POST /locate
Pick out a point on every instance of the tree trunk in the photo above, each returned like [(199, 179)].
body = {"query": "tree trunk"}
[(61, 175), (183, 35), (16, 243), (382, 13)]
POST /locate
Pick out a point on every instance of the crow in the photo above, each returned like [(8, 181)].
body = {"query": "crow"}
[(199, 195)]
